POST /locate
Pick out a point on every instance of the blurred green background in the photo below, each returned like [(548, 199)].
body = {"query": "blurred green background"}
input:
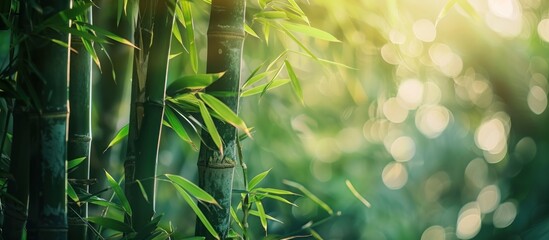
[(440, 122)]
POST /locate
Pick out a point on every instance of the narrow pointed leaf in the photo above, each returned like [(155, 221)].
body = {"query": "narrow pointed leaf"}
[(257, 179), (192, 82), (257, 78), (261, 214), (310, 195), (235, 218), (110, 223), (224, 112), (357, 195), (143, 192), (271, 15), (295, 82), (210, 126), (256, 213), (121, 134), (192, 188), (119, 193), (275, 191), (445, 10), (75, 162), (309, 31), (197, 211), (72, 194), (268, 86), (189, 26), (277, 198), (250, 31), (177, 126)]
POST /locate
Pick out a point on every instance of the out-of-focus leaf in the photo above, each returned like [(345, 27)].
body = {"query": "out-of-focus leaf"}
[(119, 193), (112, 224), (357, 195), (192, 82), (121, 134), (310, 31), (315, 234), (189, 26), (192, 188), (275, 197), (305, 48), (75, 162), (177, 126), (224, 112), (197, 211), (259, 89), (310, 195), (445, 10), (275, 191), (235, 218), (104, 203), (210, 126), (295, 82), (271, 15), (257, 179)]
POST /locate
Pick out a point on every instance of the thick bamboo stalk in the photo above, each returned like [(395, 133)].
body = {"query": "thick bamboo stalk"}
[(79, 132), (149, 127), (225, 42), (47, 193)]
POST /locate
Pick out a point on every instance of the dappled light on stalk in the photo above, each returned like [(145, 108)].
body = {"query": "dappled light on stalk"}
[(537, 100), (488, 198), (469, 221), (434, 233), (431, 120), (504, 215), (394, 175)]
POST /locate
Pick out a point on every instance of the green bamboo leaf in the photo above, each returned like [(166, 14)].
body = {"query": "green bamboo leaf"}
[(104, 203), (194, 238), (192, 188), (271, 15), (267, 216), (275, 191), (257, 179), (295, 82), (261, 214), (210, 126), (249, 30), (266, 31), (465, 5), (268, 86), (315, 234), (310, 195), (112, 224), (357, 195), (177, 34), (256, 78), (72, 194), (119, 193), (263, 3), (224, 112), (305, 48), (197, 211), (189, 26), (75, 162), (121, 134), (296, 7), (143, 192), (275, 197), (235, 218), (310, 31), (177, 126), (192, 82)]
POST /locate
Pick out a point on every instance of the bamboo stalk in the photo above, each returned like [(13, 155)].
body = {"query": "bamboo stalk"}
[(225, 42), (79, 132), (149, 124), (47, 193)]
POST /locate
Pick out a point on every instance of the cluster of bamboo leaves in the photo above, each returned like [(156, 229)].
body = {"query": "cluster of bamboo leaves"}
[(188, 106)]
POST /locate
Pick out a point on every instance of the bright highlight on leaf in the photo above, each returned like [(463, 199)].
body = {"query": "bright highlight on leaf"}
[(192, 188), (210, 126), (192, 82), (121, 134), (119, 193), (224, 112), (257, 179), (357, 195), (197, 211), (295, 82), (177, 126), (75, 162), (309, 31)]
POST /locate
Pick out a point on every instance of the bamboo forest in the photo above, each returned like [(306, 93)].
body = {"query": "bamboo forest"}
[(274, 119)]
